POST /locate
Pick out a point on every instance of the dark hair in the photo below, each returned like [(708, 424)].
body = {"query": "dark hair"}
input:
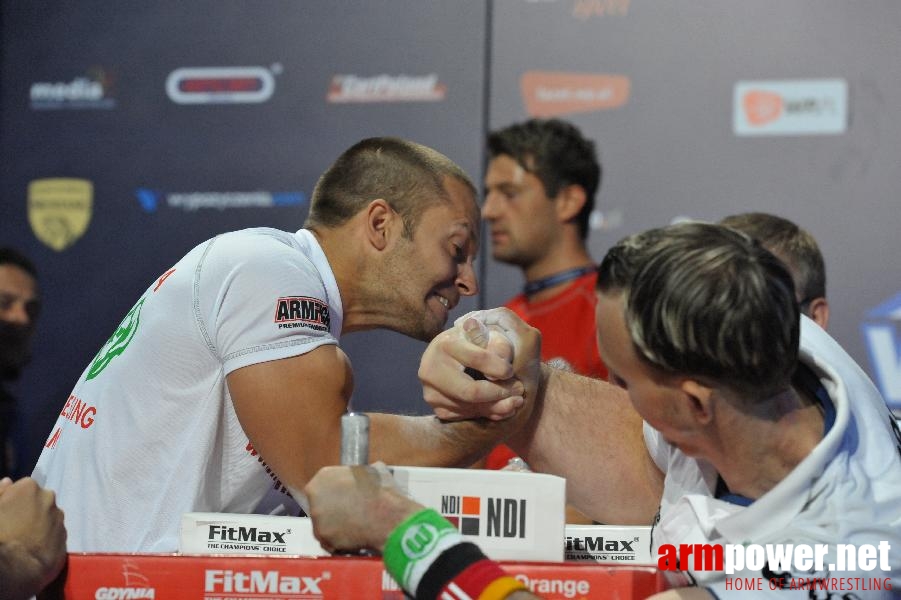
[(12, 256), (707, 301), (556, 153), (408, 176), (791, 244)]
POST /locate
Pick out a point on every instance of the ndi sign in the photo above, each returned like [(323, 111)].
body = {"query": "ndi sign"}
[(882, 333)]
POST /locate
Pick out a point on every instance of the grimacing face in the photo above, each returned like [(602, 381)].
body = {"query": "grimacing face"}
[(658, 398), (428, 274), (520, 215)]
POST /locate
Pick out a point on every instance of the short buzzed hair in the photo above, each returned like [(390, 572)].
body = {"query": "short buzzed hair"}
[(408, 176)]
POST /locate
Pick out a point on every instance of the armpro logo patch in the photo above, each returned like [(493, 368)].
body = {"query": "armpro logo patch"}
[(301, 311)]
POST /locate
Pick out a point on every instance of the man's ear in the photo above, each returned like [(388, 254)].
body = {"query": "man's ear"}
[(818, 310), (380, 222), (699, 398), (569, 202)]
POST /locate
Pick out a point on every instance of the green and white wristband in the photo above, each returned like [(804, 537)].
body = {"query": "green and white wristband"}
[(415, 544)]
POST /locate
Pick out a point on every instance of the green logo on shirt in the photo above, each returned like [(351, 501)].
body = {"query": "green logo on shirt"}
[(118, 342)]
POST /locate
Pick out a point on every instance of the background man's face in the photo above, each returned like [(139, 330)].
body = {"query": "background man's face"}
[(19, 308)]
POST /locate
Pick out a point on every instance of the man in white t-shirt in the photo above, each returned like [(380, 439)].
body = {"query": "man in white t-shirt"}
[(739, 426), (225, 379)]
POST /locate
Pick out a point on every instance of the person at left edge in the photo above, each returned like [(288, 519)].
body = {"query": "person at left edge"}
[(225, 379)]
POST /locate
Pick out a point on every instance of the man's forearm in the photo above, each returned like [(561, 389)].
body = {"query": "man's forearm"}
[(586, 430), (428, 441)]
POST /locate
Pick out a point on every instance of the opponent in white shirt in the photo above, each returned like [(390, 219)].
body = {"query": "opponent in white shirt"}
[(225, 379), (723, 430)]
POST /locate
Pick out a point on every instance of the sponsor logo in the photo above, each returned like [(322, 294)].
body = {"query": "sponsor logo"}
[(346, 89), (504, 517), (550, 94), (118, 342), (59, 210), (136, 586), (151, 200), (301, 311), (463, 512), (221, 85), (251, 539), (600, 548), (790, 107), (882, 334), (587, 9), (568, 588), (91, 91), (226, 581)]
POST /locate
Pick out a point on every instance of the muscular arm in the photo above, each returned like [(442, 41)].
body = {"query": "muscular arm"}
[(580, 428), (291, 411), (586, 430)]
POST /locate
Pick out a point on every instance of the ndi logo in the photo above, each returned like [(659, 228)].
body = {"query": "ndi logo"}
[(882, 333)]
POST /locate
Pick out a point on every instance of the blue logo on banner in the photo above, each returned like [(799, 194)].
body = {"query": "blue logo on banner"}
[(882, 333), (148, 198)]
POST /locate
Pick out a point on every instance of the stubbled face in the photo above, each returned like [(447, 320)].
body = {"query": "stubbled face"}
[(19, 307), (657, 398), (432, 271), (520, 215)]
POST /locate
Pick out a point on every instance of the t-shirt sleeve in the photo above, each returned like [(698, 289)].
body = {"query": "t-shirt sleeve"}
[(262, 303)]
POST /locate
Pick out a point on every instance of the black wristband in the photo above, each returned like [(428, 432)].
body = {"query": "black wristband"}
[(448, 565)]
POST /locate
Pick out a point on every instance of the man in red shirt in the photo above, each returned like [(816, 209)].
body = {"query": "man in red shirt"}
[(540, 188)]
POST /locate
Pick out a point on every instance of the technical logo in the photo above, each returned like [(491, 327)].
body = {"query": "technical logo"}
[(94, 90), (882, 334), (59, 210), (347, 89), (550, 94), (221, 85), (151, 200), (790, 107)]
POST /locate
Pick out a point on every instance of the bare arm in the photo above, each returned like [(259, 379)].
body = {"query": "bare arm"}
[(291, 411), (581, 428), (586, 430)]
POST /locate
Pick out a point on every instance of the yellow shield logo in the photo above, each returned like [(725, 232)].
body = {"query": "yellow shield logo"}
[(59, 210)]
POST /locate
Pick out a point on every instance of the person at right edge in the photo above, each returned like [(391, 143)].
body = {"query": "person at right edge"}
[(540, 187)]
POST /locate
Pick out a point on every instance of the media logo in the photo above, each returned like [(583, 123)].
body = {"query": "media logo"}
[(59, 210), (790, 107), (347, 89), (550, 94), (93, 90), (882, 334), (151, 200), (221, 85)]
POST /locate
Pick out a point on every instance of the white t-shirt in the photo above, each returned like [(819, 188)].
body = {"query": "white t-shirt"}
[(846, 491), (149, 431)]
